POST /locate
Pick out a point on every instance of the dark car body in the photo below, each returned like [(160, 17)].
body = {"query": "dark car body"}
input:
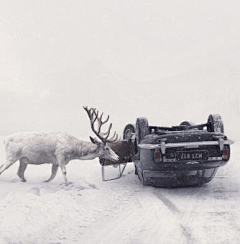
[(183, 155), (186, 157)]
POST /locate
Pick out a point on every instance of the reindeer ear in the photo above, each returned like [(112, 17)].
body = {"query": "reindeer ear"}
[(93, 140)]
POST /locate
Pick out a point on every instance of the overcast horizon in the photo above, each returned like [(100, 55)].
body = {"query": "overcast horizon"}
[(168, 61)]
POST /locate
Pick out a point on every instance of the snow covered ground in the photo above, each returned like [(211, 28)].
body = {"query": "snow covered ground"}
[(120, 211), (167, 61)]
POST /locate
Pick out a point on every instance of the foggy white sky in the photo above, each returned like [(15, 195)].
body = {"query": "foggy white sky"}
[(166, 60)]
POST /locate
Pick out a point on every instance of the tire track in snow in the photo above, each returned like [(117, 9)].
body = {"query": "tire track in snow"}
[(35, 191), (188, 234), (143, 220), (186, 230), (170, 205)]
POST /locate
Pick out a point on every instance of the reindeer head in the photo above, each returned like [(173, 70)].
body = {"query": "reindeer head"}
[(103, 149)]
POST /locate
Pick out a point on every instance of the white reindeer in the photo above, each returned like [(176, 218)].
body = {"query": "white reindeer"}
[(57, 148)]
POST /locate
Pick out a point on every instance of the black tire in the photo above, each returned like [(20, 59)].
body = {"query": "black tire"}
[(215, 123), (186, 123), (142, 129), (135, 172), (128, 131)]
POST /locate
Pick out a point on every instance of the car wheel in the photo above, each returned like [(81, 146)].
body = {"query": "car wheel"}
[(128, 131), (142, 129), (187, 123), (128, 134), (215, 123)]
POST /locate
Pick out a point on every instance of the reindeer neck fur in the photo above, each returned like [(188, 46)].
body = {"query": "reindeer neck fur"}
[(85, 150)]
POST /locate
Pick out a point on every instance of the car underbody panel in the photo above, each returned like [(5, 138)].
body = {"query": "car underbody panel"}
[(176, 178)]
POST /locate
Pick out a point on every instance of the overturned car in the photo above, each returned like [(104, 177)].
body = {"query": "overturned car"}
[(183, 155)]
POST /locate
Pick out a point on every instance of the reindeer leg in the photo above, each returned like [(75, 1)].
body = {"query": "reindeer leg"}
[(7, 165), (54, 172), (63, 168), (61, 162), (21, 169)]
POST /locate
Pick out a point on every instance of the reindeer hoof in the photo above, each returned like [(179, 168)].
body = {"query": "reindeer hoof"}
[(66, 183), (23, 179)]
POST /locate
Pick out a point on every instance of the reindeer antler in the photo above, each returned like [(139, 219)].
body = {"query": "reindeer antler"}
[(103, 136)]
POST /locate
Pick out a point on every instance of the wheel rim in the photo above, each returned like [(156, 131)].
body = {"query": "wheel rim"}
[(127, 134)]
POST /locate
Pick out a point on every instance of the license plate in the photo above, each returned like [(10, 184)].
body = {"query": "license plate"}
[(191, 156)]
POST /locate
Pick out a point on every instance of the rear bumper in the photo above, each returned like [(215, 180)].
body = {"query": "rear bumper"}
[(163, 145), (146, 162), (170, 161)]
